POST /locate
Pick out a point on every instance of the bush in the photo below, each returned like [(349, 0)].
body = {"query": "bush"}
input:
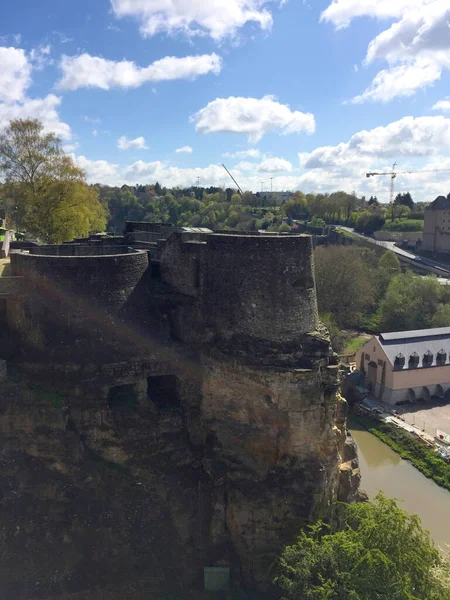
[(317, 222), (406, 225), (369, 223)]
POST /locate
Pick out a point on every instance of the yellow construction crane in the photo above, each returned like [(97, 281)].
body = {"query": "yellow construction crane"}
[(393, 174)]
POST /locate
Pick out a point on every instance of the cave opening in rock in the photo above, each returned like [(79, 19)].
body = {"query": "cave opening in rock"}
[(123, 396), (162, 390)]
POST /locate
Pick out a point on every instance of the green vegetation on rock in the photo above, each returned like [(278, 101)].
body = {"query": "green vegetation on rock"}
[(379, 552)]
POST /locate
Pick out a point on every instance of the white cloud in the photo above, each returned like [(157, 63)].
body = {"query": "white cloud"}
[(342, 12), (274, 165), (187, 149), (415, 47), (99, 171), (252, 153), (443, 105), (15, 78), (95, 132), (399, 81), (421, 136), (15, 74), (138, 143), (251, 116), (244, 165), (215, 18), (92, 120), (62, 37), (44, 109), (40, 57), (70, 148), (423, 185), (93, 71)]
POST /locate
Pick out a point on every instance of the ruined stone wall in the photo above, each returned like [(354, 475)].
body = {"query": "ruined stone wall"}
[(94, 249), (260, 287), (73, 305)]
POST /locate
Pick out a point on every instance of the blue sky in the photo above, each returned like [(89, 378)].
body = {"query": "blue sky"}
[(313, 94)]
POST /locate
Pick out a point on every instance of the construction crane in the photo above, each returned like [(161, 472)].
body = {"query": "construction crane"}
[(238, 186), (393, 174)]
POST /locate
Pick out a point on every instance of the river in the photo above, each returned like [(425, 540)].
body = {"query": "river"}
[(382, 469)]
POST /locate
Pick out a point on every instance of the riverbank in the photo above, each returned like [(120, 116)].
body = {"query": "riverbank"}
[(422, 458)]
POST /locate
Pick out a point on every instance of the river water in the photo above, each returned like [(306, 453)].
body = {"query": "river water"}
[(382, 469)]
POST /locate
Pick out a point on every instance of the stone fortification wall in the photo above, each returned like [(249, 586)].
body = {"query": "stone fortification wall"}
[(73, 304), (261, 287), (255, 296), (80, 250)]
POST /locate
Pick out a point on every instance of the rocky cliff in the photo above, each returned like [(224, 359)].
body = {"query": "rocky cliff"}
[(95, 494), (219, 433)]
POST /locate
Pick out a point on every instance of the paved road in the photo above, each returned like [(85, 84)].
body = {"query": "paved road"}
[(445, 269)]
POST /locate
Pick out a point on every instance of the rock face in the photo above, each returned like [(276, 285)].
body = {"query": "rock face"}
[(216, 436)]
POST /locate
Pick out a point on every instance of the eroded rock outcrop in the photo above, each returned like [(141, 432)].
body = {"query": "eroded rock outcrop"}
[(218, 435)]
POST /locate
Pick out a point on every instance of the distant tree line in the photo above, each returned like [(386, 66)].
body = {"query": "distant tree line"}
[(217, 208)]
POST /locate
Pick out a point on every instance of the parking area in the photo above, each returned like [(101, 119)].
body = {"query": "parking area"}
[(427, 417)]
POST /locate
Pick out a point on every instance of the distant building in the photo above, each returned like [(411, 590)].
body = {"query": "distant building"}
[(407, 365), (436, 231)]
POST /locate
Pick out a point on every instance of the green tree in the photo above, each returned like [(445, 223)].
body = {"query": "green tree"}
[(388, 268), (344, 285), (405, 200), (48, 191), (297, 207), (410, 303), (379, 553), (441, 318), (369, 223)]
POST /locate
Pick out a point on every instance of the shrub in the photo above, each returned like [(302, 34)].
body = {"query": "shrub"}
[(406, 225)]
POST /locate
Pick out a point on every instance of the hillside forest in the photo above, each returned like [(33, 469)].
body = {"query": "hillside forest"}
[(359, 289)]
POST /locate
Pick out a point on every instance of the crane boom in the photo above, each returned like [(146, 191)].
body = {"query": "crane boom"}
[(393, 174), (238, 186), (408, 172)]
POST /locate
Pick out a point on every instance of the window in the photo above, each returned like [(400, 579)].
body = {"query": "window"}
[(380, 362), (367, 356), (441, 357), (123, 396), (162, 391), (427, 359), (399, 362), (414, 361)]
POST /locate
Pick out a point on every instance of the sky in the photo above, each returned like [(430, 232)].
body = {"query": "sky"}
[(303, 95)]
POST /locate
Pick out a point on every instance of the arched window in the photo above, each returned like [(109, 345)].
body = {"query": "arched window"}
[(427, 359), (414, 360), (399, 362), (441, 357)]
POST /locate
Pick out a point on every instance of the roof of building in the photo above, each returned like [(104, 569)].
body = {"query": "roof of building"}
[(441, 203), (416, 344)]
